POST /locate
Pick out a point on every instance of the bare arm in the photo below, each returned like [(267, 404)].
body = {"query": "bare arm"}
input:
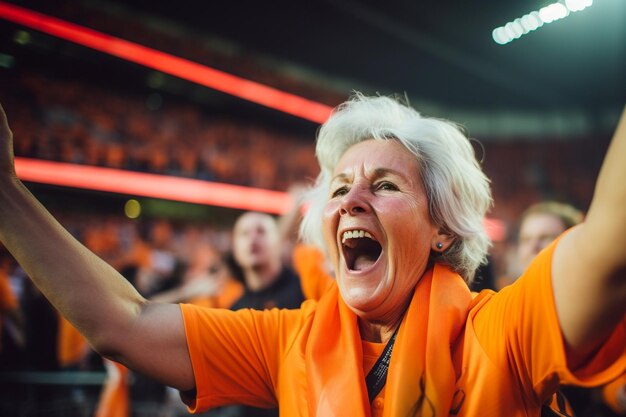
[(589, 266), (99, 302)]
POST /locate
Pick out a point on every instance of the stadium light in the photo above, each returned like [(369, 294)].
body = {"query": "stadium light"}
[(519, 27)]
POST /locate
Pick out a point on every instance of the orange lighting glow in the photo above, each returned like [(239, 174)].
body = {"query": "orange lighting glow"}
[(152, 185), (170, 64)]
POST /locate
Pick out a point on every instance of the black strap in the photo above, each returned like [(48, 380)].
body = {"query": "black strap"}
[(561, 407), (377, 376)]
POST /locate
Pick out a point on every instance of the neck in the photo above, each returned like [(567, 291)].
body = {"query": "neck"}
[(378, 332), (381, 328), (260, 277)]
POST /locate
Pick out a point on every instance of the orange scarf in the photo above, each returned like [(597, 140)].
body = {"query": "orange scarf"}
[(421, 377)]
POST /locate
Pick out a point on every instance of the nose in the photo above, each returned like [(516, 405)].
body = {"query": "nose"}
[(354, 201)]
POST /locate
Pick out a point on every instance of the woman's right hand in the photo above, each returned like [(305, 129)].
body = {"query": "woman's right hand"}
[(7, 164)]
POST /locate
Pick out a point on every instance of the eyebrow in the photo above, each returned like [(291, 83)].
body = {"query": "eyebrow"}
[(377, 173)]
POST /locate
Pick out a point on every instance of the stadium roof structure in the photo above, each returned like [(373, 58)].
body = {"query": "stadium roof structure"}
[(440, 54), (566, 78)]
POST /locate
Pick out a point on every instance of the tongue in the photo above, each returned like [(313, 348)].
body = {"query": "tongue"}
[(362, 262)]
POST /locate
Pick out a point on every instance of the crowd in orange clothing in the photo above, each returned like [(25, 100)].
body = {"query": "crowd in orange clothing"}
[(73, 122)]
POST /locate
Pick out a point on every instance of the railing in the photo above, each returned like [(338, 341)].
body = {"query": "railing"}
[(76, 394), (49, 394)]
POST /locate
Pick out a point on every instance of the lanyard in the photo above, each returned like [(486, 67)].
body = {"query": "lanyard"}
[(377, 376)]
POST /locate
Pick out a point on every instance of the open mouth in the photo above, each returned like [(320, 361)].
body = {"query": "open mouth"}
[(360, 249)]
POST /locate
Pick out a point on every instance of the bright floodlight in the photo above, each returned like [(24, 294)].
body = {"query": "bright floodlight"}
[(553, 12), (578, 5), (535, 19), (500, 36)]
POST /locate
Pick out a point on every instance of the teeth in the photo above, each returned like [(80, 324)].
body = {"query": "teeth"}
[(353, 234)]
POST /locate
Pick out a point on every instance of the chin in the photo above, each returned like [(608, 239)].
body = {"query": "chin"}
[(362, 299)]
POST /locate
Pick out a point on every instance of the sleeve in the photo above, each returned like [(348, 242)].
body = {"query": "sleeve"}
[(519, 329), (236, 355)]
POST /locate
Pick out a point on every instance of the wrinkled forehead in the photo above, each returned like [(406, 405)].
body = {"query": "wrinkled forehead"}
[(374, 156)]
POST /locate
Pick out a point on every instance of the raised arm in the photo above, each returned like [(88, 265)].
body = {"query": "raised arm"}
[(589, 266), (99, 302)]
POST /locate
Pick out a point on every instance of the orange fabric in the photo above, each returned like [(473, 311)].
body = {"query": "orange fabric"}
[(308, 261), (8, 300), (71, 345), (500, 354), (140, 254), (231, 292), (371, 353), (114, 397), (423, 384), (610, 393)]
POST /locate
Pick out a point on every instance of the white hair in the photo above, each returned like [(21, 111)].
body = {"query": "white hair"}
[(457, 189)]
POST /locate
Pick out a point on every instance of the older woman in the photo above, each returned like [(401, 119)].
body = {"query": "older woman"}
[(400, 202)]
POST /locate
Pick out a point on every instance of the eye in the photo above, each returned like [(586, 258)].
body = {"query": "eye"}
[(341, 191), (386, 186)]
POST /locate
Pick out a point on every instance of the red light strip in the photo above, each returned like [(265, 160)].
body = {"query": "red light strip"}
[(161, 61), (172, 188), (152, 185), (495, 228)]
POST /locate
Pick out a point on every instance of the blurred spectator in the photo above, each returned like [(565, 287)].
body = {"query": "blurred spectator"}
[(164, 268), (539, 225), (257, 253)]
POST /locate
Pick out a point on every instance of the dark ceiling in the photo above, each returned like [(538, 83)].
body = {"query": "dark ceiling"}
[(436, 51), (439, 53)]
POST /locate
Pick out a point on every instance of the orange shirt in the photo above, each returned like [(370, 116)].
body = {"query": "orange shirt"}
[(371, 353), (509, 358)]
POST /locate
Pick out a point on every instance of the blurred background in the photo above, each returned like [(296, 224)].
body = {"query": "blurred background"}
[(213, 93)]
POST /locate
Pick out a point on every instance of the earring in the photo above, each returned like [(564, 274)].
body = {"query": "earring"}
[(439, 245)]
